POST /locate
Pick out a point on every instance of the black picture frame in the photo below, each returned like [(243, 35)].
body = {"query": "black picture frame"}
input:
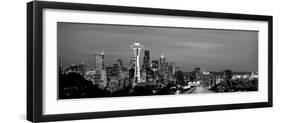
[(34, 60)]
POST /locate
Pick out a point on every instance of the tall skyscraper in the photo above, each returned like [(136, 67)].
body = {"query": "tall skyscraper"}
[(155, 69), (137, 50), (99, 61), (146, 59), (100, 76), (162, 65), (171, 71), (173, 67)]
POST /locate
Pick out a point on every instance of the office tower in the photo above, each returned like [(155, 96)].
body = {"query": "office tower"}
[(100, 76), (170, 71), (132, 62), (155, 69), (162, 66), (179, 77), (173, 68), (155, 65), (99, 61), (144, 75), (131, 73), (166, 72), (137, 50), (146, 59), (150, 76), (109, 71), (116, 70)]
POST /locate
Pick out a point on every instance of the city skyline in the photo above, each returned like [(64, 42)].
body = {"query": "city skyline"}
[(80, 42), (121, 66)]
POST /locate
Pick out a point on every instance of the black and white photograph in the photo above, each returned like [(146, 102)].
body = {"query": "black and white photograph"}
[(86, 60), (98, 60)]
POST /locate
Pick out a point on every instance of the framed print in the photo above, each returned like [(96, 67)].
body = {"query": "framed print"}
[(89, 61)]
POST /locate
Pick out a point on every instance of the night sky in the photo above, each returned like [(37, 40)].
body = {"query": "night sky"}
[(209, 49)]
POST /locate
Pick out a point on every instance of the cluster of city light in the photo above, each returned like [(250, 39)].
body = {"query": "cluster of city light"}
[(157, 72)]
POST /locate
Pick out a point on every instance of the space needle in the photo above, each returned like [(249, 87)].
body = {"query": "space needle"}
[(137, 49)]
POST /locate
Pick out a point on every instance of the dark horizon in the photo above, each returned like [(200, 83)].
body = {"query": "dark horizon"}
[(209, 49)]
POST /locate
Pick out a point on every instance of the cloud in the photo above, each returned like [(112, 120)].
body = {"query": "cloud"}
[(200, 45)]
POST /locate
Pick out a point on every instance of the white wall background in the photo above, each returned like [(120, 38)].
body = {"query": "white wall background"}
[(13, 61)]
